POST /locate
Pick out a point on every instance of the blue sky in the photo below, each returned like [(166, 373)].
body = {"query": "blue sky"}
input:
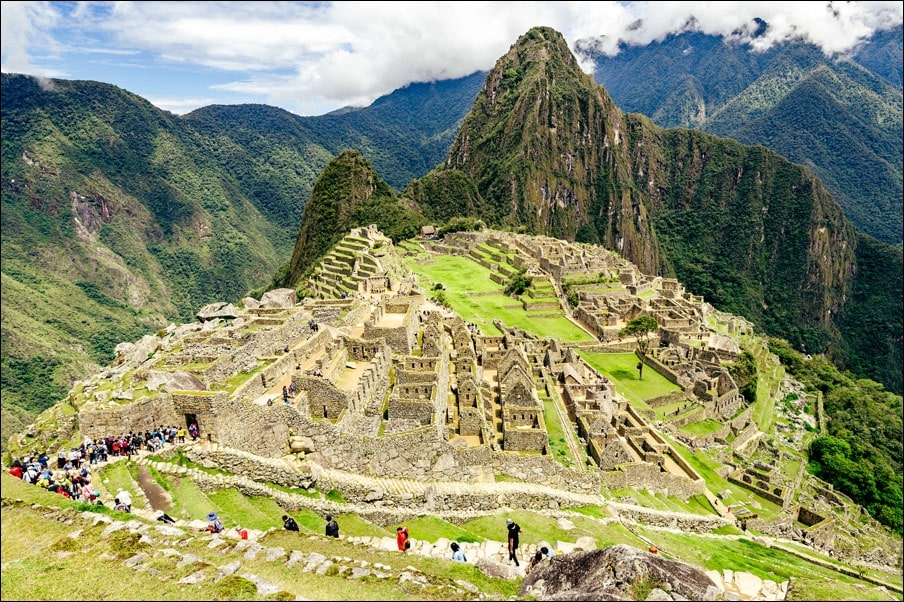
[(314, 57)]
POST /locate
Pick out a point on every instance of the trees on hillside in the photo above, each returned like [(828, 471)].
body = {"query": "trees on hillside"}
[(642, 328)]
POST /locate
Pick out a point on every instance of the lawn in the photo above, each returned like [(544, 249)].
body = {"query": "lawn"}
[(621, 369), (461, 277), (701, 428), (808, 581)]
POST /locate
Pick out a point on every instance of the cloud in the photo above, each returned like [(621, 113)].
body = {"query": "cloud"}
[(312, 57), (24, 28)]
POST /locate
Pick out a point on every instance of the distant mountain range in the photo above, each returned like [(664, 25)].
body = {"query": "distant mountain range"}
[(840, 116), (118, 218)]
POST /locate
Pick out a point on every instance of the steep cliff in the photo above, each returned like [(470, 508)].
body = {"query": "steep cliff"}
[(548, 152)]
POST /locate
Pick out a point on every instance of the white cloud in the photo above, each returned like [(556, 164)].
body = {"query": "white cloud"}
[(24, 30), (311, 57)]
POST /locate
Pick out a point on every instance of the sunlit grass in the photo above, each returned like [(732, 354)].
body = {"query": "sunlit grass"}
[(462, 276), (621, 369)]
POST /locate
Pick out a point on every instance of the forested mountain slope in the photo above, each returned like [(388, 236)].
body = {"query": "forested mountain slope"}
[(841, 116), (119, 218), (547, 150)]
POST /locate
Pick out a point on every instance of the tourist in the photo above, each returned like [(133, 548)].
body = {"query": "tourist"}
[(214, 524), (514, 531), (457, 554), (17, 470), (125, 498), (163, 517), (547, 552), (332, 527), (538, 557), (289, 523), (402, 538)]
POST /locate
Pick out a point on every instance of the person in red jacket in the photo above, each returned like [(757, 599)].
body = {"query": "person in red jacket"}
[(402, 538), (17, 470)]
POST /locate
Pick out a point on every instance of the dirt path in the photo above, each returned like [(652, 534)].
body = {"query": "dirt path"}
[(157, 497)]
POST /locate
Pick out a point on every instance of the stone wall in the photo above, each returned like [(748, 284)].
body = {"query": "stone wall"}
[(525, 439), (408, 409), (415, 454), (322, 399), (670, 520), (652, 478), (401, 339), (144, 414), (470, 421), (662, 369), (662, 400), (543, 470), (772, 492), (248, 426), (253, 388)]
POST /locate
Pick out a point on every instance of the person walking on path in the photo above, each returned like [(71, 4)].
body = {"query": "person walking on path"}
[(514, 531), (332, 527), (402, 538), (289, 523)]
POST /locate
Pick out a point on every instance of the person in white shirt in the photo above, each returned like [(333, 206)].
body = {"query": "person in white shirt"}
[(125, 498)]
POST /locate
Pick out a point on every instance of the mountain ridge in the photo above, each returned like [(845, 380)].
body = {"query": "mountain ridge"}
[(696, 80)]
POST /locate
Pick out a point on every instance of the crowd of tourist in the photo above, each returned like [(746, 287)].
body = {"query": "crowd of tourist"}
[(69, 474)]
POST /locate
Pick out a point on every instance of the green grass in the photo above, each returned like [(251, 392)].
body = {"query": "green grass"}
[(621, 369), (432, 529), (34, 569), (809, 581), (462, 275), (701, 428), (118, 475), (558, 445), (705, 466), (236, 509), (658, 501)]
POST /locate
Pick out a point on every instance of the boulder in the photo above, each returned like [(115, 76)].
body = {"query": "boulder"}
[(175, 380), (611, 573), (219, 310), (279, 298)]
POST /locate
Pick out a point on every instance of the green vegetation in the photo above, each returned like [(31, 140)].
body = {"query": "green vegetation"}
[(33, 538), (620, 368), (468, 289), (863, 455), (744, 373), (641, 328), (791, 98)]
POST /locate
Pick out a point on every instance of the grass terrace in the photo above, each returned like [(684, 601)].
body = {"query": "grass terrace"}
[(470, 292), (621, 369)]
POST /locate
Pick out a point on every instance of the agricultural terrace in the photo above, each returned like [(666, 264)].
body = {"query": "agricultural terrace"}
[(468, 290), (621, 369)]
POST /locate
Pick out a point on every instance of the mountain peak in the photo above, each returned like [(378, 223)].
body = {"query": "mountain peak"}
[(346, 183)]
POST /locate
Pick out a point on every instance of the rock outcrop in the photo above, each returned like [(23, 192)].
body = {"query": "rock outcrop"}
[(618, 572)]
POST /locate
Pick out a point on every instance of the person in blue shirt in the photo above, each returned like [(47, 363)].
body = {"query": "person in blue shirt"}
[(457, 553)]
